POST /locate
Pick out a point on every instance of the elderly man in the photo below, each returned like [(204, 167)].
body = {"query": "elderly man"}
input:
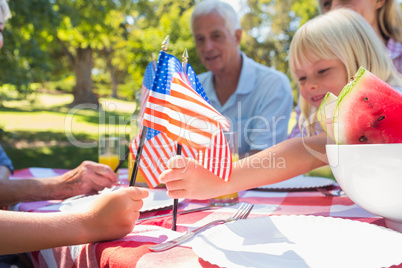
[(256, 99)]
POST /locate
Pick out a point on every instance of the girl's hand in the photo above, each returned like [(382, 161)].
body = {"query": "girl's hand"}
[(185, 178), (113, 215)]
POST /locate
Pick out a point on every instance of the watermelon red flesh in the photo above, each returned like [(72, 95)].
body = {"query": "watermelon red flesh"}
[(368, 110)]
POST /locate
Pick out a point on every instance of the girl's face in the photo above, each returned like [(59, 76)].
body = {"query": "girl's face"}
[(317, 78)]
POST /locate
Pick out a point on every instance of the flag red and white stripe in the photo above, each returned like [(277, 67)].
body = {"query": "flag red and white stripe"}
[(184, 115), (155, 154), (217, 158), (144, 99)]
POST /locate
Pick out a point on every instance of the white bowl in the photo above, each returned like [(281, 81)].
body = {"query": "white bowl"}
[(371, 175)]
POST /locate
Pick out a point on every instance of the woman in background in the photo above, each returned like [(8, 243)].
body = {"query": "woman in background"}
[(384, 16)]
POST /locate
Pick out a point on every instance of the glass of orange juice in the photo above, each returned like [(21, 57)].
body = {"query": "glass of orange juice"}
[(109, 151), (233, 198)]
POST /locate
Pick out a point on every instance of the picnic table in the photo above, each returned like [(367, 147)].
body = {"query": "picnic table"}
[(133, 249)]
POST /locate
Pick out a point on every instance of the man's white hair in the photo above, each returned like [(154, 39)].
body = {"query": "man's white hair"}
[(223, 9)]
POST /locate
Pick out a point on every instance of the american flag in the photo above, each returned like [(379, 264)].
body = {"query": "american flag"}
[(177, 106), (158, 148), (176, 109), (195, 83), (147, 83), (207, 156)]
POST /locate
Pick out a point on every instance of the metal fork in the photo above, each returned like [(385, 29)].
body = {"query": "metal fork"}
[(242, 213), (331, 193)]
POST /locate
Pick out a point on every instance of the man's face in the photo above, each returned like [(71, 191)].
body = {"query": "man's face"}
[(216, 46)]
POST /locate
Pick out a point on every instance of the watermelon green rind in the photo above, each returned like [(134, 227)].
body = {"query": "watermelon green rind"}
[(345, 91), (350, 85), (325, 114)]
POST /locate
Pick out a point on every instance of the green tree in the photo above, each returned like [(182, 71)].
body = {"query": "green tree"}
[(88, 26), (48, 39), (270, 26), (28, 44), (152, 23)]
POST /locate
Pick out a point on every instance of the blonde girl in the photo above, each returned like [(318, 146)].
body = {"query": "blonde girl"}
[(343, 41), (341, 35)]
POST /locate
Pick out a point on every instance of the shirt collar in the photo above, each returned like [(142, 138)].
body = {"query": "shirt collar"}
[(247, 76)]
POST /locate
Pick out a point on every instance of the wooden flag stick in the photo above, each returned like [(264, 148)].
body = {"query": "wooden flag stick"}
[(122, 161), (178, 151), (184, 60), (165, 45), (175, 201), (138, 156), (153, 61)]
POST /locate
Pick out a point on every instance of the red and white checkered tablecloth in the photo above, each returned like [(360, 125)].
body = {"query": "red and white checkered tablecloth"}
[(132, 250)]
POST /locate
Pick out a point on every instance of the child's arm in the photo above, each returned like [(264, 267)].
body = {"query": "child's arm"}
[(112, 216), (186, 179)]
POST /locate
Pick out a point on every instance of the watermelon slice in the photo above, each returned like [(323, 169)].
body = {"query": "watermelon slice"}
[(367, 110), (325, 114)]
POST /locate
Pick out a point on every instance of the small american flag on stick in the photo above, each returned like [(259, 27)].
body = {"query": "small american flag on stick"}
[(184, 114), (157, 148)]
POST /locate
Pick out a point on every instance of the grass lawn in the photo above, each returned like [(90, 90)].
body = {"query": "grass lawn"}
[(42, 133)]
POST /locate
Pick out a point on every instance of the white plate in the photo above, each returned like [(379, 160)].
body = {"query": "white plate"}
[(299, 182), (157, 199), (299, 241)]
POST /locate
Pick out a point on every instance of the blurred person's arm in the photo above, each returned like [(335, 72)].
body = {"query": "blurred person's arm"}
[(6, 166), (87, 178), (4, 173)]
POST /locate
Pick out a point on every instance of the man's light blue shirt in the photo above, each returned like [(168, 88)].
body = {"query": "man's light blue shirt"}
[(259, 109)]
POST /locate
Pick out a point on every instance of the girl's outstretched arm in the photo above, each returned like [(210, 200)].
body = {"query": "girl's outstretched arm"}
[(186, 179)]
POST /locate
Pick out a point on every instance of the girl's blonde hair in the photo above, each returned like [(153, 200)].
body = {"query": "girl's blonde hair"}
[(345, 35), (5, 10)]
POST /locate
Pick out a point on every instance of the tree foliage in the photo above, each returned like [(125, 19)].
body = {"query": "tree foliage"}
[(48, 40), (164, 17), (28, 36), (269, 27)]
